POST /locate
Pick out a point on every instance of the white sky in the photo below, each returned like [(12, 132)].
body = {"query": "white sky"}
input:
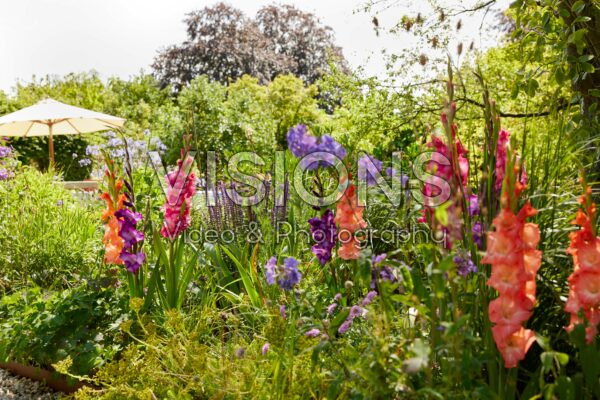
[(121, 37)]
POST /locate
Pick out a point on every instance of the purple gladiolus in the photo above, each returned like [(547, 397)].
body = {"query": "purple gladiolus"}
[(133, 262), (127, 227), (313, 333), (127, 231), (323, 231)]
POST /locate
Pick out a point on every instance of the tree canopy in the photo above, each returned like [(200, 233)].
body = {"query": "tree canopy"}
[(225, 44)]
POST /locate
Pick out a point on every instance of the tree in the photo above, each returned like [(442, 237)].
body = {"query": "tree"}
[(224, 44), (300, 38)]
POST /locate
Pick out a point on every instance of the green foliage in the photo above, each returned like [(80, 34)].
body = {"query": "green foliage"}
[(47, 237), (41, 328), (369, 117)]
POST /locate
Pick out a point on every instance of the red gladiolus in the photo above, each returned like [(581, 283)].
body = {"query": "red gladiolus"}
[(511, 250), (583, 302)]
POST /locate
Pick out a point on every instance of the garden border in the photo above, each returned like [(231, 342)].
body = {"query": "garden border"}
[(52, 379)]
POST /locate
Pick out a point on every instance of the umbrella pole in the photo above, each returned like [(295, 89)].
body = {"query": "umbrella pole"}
[(51, 146)]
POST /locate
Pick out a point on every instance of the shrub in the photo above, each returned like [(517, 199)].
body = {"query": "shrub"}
[(46, 236), (41, 327)]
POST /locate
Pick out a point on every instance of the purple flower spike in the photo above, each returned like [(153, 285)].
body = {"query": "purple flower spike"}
[(323, 231), (127, 223), (133, 262)]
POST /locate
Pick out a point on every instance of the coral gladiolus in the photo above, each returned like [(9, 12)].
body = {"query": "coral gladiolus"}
[(112, 241), (515, 262), (349, 217), (584, 282), (513, 341)]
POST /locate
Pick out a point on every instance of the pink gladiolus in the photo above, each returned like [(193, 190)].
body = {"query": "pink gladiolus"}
[(180, 191)]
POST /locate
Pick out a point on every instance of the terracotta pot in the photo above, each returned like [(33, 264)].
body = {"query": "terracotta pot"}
[(52, 379)]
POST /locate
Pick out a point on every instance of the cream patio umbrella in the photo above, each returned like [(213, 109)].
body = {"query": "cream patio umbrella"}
[(50, 117)]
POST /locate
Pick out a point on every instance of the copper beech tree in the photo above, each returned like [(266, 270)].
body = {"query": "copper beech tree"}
[(225, 44)]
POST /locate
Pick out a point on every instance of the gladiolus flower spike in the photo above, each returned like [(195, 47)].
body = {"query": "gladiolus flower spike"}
[(583, 302), (511, 251)]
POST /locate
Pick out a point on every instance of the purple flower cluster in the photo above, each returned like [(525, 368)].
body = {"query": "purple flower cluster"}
[(8, 163), (115, 147), (380, 271), (5, 151), (127, 231), (301, 144), (464, 264), (313, 333), (363, 169), (265, 349), (286, 275), (323, 232), (356, 311), (369, 298), (477, 228)]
